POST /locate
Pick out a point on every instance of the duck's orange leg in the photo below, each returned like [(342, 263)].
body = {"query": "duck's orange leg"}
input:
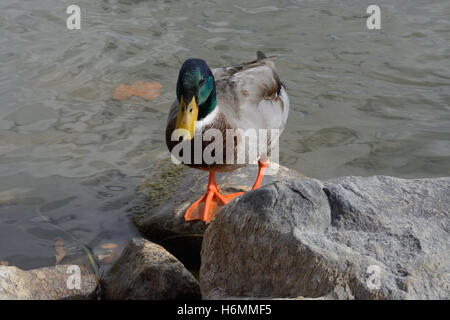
[(209, 200), (262, 166), (213, 195)]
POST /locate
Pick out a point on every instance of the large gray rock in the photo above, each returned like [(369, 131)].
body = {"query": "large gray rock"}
[(347, 238), (147, 271), (49, 283), (164, 197)]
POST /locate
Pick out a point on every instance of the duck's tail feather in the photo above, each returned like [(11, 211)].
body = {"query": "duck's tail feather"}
[(260, 55)]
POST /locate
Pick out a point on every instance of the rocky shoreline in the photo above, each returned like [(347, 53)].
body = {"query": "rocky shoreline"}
[(294, 238)]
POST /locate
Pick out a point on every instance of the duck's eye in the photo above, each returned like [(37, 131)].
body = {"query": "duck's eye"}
[(190, 110), (201, 82)]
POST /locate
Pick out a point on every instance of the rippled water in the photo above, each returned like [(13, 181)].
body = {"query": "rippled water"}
[(362, 102)]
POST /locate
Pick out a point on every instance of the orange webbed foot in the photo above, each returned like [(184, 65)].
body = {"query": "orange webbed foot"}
[(212, 200)]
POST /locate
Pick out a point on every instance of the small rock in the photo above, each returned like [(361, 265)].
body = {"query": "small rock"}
[(165, 196), (147, 271), (49, 283), (347, 238)]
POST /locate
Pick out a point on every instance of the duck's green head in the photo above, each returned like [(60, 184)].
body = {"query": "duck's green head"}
[(196, 93)]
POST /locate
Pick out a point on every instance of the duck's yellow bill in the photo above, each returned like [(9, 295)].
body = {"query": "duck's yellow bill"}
[(186, 119)]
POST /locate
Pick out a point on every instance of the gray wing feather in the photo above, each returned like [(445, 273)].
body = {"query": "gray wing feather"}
[(251, 95)]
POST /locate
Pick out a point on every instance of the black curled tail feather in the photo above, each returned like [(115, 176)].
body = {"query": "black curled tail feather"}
[(260, 55)]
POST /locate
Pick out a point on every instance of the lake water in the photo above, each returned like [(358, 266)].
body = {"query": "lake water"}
[(363, 102)]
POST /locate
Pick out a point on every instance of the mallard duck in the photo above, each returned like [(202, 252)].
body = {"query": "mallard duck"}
[(230, 102)]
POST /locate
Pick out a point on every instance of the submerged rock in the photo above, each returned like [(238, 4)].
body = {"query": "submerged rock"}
[(159, 210), (51, 283), (347, 238), (147, 271)]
